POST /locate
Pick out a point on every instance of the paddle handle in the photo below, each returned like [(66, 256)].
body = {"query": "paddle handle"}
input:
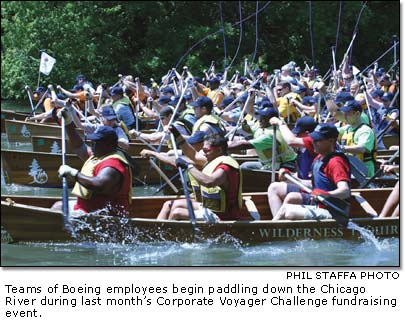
[(274, 155), (185, 189), (163, 175), (65, 202), (341, 219)]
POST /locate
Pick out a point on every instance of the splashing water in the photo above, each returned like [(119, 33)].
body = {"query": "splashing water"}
[(366, 234)]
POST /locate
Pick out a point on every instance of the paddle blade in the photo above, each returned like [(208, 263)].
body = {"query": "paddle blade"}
[(339, 209)]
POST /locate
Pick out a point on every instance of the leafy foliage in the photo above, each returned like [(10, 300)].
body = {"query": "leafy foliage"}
[(146, 38)]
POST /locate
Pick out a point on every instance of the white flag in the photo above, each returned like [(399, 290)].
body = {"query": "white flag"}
[(47, 63)]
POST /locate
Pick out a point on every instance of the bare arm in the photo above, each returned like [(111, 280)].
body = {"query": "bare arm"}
[(189, 151), (218, 178), (240, 144), (288, 136), (163, 157), (342, 191), (108, 181)]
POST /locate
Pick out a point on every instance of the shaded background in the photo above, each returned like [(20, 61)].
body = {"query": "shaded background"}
[(103, 38)]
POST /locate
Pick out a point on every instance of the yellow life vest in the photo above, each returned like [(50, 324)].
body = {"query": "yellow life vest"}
[(284, 153), (88, 170), (210, 119), (214, 198), (348, 140)]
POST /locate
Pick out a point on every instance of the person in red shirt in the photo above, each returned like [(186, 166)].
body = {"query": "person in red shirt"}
[(217, 188), (330, 178), (297, 138), (105, 180)]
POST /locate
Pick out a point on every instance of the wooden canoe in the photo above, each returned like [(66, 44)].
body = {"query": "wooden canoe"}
[(29, 219), (390, 140), (53, 145), (42, 143), (40, 168), (21, 131), (11, 115)]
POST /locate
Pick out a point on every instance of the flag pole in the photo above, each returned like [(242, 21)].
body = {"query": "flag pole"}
[(39, 68)]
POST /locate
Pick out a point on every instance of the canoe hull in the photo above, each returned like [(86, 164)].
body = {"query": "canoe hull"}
[(27, 222), (40, 169), (21, 132)]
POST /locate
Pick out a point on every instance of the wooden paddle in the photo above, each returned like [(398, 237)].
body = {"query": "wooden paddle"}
[(65, 202), (379, 172), (185, 189), (30, 99), (274, 155), (340, 208)]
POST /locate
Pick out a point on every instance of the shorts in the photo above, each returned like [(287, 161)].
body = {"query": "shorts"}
[(205, 214), (306, 198), (312, 212)]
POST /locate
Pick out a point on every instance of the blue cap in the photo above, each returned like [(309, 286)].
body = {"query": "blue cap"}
[(377, 93), (351, 105), (108, 112), (198, 79), (305, 123), (40, 89), (301, 89), (167, 90), (175, 99), (76, 88), (268, 111), (203, 101), (226, 101), (343, 96), (188, 95), (80, 76), (214, 80), (103, 133), (308, 100), (387, 97), (324, 131), (164, 100), (116, 91), (196, 137), (264, 103)]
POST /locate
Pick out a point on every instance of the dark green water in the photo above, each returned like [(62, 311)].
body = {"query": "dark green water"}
[(221, 252)]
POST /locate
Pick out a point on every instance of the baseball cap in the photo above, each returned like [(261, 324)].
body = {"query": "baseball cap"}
[(387, 96), (377, 93), (308, 100), (268, 111), (108, 112), (40, 89), (167, 90), (164, 100), (202, 101), (343, 97), (103, 133), (351, 105), (305, 123), (196, 137), (324, 131), (116, 91)]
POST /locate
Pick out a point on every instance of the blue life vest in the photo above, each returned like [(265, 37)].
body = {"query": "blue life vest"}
[(319, 179)]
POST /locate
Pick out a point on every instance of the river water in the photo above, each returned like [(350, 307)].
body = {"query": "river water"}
[(384, 252)]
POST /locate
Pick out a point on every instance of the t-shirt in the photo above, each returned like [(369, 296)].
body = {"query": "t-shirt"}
[(337, 170), (234, 212), (365, 137)]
